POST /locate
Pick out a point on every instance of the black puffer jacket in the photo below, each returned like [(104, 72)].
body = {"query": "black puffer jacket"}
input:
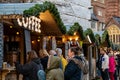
[(29, 70)]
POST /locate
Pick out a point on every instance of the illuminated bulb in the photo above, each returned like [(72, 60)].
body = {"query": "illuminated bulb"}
[(11, 27), (17, 33), (33, 42), (75, 33), (38, 40), (39, 31), (19, 23), (70, 39), (76, 39), (39, 20)]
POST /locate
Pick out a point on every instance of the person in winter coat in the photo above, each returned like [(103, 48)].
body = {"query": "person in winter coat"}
[(43, 54), (29, 70), (73, 70), (63, 60), (105, 64), (111, 65), (53, 69)]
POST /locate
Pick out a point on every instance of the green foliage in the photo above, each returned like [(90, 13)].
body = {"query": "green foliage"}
[(98, 39), (90, 33), (105, 38), (76, 28), (35, 11)]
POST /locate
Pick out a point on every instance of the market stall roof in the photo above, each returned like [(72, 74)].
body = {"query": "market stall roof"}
[(49, 26)]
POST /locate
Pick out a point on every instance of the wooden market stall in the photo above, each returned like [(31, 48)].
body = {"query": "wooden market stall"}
[(20, 37)]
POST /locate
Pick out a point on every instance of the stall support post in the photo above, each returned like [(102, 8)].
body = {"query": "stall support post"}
[(1, 44), (90, 62), (27, 42)]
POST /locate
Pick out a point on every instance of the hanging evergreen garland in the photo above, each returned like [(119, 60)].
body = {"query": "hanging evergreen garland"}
[(35, 10), (105, 38), (76, 28), (90, 33), (98, 39)]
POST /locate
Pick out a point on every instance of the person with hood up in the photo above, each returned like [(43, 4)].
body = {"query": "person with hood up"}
[(54, 72), (29, 70)]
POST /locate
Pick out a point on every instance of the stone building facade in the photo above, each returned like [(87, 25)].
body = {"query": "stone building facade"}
[(106, 9), (113, 28), (99, 11), (108, 14)]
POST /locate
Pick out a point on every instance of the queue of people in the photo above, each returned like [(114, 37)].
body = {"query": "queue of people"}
[(107, 64), (54, 65)]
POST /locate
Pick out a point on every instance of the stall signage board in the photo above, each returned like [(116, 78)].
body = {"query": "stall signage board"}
[(31, 23)]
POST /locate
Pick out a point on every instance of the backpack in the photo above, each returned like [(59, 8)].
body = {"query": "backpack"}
[(82, 64), (41, 73)]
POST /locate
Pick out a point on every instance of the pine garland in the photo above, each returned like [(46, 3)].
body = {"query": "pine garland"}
[(105, 38), (98, 39), (90, 33), (35, 10), (76, 28)]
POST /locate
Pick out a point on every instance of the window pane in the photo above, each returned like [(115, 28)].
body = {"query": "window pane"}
[(119, 38), (99, 13)]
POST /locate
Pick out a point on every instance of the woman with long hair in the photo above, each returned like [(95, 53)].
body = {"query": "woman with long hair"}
[(29, 70), (73, 69), (43, 54)]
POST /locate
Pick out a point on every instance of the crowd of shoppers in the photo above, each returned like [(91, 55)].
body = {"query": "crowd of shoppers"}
[(54, 64), (108, 64)]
